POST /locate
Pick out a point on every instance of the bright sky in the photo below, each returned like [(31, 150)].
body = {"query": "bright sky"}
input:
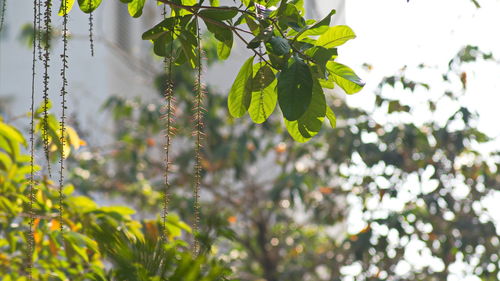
[(395, 33)]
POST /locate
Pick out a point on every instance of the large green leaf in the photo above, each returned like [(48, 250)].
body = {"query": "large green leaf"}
[(278, 45), (264, 96), (224, 36), (88, 6), (165, 26), (219, 14), (264, 76), (295, 89), (188, 48), (345, 77), (309, 124), (240, 95), (321, 56), (135, 8), (66, 5), (336, 36), (289, 16)]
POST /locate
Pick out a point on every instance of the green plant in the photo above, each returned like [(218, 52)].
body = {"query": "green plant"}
[(92, 236)]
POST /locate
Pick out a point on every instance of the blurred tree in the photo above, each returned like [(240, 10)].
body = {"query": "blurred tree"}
[(370, 200), (98, 243)]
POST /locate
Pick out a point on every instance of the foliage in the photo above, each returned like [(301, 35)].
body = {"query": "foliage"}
[(298, 54), (93, 236), (288, 208)]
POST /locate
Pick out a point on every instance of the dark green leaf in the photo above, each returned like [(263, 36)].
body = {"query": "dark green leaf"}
[(264, 76), (165, 26), (295, 90), (278, 46), (224, 36), (309, 124), (218, 14)]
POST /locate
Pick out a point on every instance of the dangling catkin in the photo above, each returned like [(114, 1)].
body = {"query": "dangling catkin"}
[(198, 133), (31, 238), (46, 60)]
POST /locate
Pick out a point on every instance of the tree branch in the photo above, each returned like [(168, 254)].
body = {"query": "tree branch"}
[(190, 8)]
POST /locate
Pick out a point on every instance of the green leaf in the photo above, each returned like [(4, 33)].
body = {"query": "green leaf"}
[(309, 124), (224, 36), (331, 117), (65, 4), (345, 77), (318, 28), (295, 90), (88, 6), (165, 26), (264, 96), (162, 46), (224, 48), (321, 56), (214, 3), (189, 2), (135, 8), (289, 16), (219, 14), (240, 95), (335, 36), (278, 45), (12, 133), (264, 76), (188, 44)]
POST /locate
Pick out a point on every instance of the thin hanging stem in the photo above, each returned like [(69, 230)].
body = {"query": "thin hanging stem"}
[(46, 60), (64, 92), (198, 118), (169, 132), (91, 30), (38, 28), (2, 16), (31, 238)]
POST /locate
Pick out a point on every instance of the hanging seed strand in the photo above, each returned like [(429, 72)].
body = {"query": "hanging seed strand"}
[(31, 238), (169, 133), (46, 60), (38, 28), (64, 92), (198, 109), (91, 30), (2, 16)]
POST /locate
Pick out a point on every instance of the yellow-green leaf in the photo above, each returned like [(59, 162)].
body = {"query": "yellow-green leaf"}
[(240, 95), (345, 77), (135, 8), (66, 6), (336, 36)]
